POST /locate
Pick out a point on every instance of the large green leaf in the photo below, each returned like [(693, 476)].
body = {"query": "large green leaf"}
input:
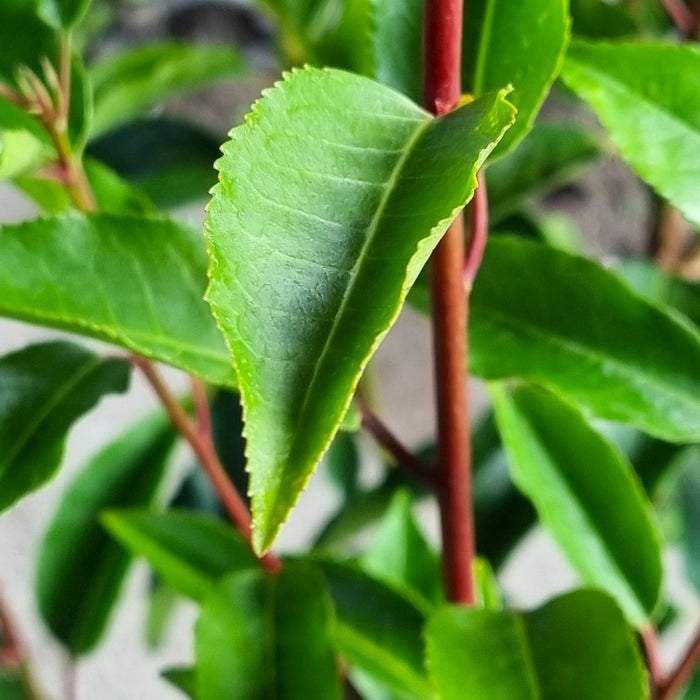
[(44, 389), (573, 475), (379, 629), (188, 550), (312, 252), (575, 647), (130, 82), (550, 156), (648, 98), (80, 568), (565, 322), (267, 637), (521, 43), (136, 282)]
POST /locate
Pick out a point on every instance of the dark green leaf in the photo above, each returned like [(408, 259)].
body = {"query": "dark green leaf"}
[(648, 98), (80, 112), (44, 389), (11, 685), (399, 553), (343, 464), (519, 43), (62, 13), (248, 638), (598, 19), (162, 603), (130, 82), (572, 476), (136, 282), (184, 679), (313, 253), (584, 334), (575, 647), (550, 156), (80, 568), (188, 550), (170, 161), (689, 496), (112, 194), (379, 629)]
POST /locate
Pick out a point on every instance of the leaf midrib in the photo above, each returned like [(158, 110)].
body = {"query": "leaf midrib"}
[(389, 189)]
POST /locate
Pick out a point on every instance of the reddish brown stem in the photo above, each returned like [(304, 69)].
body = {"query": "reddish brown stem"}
[(682, 673), (11, 652), (201, 406), (203, 448), (478, 232), (403, 457), (441, 91), (680, 15), (653, 657)]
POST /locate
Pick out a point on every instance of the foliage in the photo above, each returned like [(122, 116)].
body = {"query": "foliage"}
[(333, 195)]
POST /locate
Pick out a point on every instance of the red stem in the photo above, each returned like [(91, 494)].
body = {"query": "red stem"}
[(441, 91), (653, 656), (680, 15), (479, 231), (403, 457), (682, 673), (203, 448)]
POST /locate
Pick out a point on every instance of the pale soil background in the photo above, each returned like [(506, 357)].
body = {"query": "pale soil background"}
[(613, 210)]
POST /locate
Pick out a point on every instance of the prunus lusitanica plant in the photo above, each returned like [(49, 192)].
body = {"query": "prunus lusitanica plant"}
[(400, 159)]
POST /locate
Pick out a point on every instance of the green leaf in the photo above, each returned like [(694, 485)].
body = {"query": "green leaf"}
[(582, 333), (189, 551), (132, 81), (572, 475), (80, 112), (396, 31), (44, 389), (399, 553), (248, 638), (575, 647), (14, 118), (488, 594), (135, 282), (184, 679), (312, 252), (20, 153), (62, 13), (342, 462), (522, 44), (550, 156), (11, 687), (48, 195), (648, 98), (112, 194), (379, 629), (598, 19), (689, 497), (80, 569)]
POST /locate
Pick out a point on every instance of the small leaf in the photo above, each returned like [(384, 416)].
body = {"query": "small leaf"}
[(585, 335), (379, 629), (575, 647), (80, 568), (689, 497), (550, 156), (488, 594), (248, 638), (44, 389), (112, 194), (136, 282), (312, 252), (399, 553), (80, 112), (521, 44), (648, 98), (127, 84), (62, 13), (572, 476), (188, 550)]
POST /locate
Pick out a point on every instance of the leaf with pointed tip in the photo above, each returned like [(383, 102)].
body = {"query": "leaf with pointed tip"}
[(44, 389), (313, 252), (62, 13), (648, 98), (249, 632), (136, 282), (518, 43), (576, 646), (572, 475), (129, 83), (188, 550), (77, 555)]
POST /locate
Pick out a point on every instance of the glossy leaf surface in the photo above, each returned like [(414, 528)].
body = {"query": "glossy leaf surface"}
[(312, 252), (188, 550), (129, 83), (77, 555), (583, 333), (44, 389), (576, 647), (248, 638), (572, 475), (136, 282), (648, 98), (521, 44), (378, 629)]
